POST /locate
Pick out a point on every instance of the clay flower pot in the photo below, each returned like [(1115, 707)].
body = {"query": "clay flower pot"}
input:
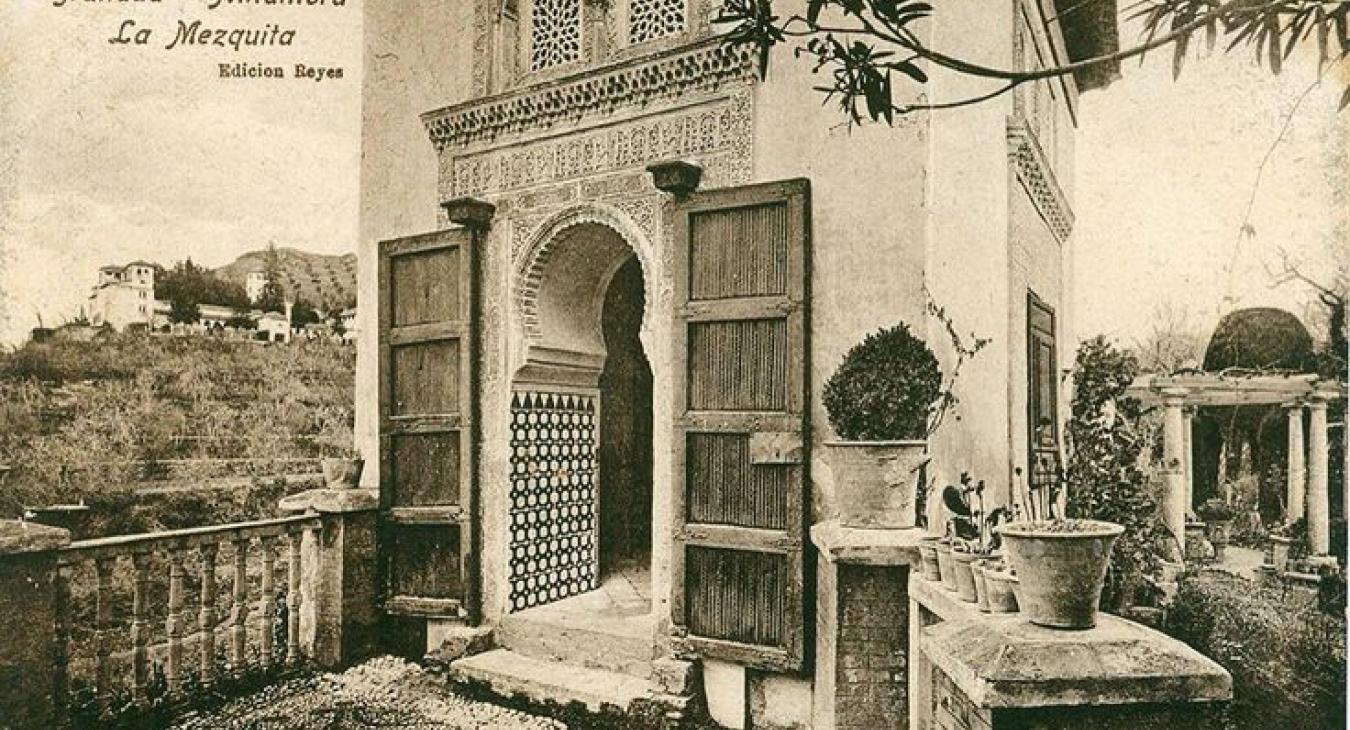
[(875, 482), (1217, 532), (947, 572), (965, 577), (981, 590), (928, 560), (1279, 552), (1060, 566), (342, 473), (998, 588)]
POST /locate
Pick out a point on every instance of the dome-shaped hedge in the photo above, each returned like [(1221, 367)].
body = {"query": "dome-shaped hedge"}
[(885, 389), (1260, 338)]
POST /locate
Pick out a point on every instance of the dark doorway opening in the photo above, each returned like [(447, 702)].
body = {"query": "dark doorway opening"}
[(625, 454)]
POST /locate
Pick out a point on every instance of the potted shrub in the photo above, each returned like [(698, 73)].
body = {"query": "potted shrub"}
[(881, 401), (1218, 517)]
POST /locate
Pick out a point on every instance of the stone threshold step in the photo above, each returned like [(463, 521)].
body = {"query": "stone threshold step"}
[(510, 673)]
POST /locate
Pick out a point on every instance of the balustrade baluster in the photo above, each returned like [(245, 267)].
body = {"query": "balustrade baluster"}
[(174, 624), (61, 652), (269, 596), (239, 611), (102, 630), (206, 618), (140, 626), (293, 542)]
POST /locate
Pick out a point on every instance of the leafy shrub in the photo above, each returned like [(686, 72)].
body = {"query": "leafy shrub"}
[(1104, 477), (1287, 658), (885, 389)]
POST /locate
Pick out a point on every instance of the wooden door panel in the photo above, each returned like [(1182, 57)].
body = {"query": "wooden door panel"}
[(741, 323), (426, 374)]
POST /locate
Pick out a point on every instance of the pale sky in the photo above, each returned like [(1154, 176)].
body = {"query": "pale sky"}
[(110, 153)]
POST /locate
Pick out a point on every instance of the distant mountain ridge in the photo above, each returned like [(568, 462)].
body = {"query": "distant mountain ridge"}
[(327, 282)]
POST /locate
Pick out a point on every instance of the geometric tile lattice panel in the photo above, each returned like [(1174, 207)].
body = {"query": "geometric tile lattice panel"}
[(652, 19), (553, 525), (555, 33)]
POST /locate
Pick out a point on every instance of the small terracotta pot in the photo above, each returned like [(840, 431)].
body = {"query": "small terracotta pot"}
[(965, 577), (947, 572), (981, 591), (1060, 568), (928, 560), (342, 473), (998, 587)]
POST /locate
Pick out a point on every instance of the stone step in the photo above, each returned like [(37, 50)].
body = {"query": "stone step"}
[(623, 646), (508, 673)]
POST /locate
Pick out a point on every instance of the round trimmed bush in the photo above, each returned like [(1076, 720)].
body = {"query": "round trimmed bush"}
[(885, 389)]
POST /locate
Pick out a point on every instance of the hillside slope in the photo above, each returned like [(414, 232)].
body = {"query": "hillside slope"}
[(327, 282), (103, 420)]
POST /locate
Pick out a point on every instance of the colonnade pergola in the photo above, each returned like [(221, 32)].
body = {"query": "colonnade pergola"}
[(1308, 484)]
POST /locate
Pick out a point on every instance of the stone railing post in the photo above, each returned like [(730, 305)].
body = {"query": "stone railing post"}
[(338, 611), (30, 673)]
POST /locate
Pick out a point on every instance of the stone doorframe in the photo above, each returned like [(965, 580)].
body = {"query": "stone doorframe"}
[(553, 345)]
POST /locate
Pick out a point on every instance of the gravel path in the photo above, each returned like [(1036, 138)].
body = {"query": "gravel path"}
[(381, 693)]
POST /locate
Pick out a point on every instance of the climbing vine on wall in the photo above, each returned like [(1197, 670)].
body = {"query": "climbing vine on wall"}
[(1105, 478)]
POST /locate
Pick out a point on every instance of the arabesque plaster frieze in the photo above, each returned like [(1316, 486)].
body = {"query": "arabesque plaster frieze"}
[(1038, 179), (702, 69), (719, 130)]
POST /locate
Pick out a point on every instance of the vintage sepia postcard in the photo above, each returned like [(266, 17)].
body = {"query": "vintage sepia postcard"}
[(674, 364)]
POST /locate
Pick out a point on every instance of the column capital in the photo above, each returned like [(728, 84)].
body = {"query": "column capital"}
[(1294, 406), (1174, 397), (1319, 398)]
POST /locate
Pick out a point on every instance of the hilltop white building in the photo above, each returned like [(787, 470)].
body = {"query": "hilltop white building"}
[(124, 295)]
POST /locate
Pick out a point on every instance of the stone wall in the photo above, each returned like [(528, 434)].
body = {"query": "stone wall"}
[(873, 646)]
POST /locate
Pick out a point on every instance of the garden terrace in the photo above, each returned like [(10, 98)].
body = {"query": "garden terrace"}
[(1308, 466)]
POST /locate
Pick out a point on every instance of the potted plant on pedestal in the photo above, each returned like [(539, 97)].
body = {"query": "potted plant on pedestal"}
[(884, 401), (879, 402), (1218, 517), (343, 470)]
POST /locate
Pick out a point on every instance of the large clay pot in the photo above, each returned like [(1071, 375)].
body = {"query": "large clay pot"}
[(965, 577), (1060, 567), (1279, 552), (875, 482), (342, 473)]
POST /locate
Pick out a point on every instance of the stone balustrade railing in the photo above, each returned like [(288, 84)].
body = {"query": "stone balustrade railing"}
[(105, 624), (198, 549)]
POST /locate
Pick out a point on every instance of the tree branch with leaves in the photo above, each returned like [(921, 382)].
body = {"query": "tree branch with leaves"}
[(870, 49)]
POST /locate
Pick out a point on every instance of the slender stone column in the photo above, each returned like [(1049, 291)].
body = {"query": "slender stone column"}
[(1188, 448), (1174, 465), (1319, 511), (1298, 486)]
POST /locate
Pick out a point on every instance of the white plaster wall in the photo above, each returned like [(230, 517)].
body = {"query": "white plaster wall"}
[(967, 255), (867, 209), (414, 56)]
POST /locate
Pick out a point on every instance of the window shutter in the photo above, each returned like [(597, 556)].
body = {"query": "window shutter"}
[(426, 375), (741, 439)]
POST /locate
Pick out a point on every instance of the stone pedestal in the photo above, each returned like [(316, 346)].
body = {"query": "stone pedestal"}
[(28, 604), (862, 626), (339, 617), (999, 671)]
